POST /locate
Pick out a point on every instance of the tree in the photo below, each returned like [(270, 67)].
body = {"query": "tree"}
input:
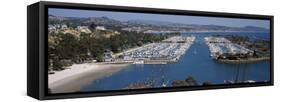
[(100, 57), (68, 47), (139, 43), (92, 26)]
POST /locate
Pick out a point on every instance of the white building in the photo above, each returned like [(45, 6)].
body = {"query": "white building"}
[(127, 58), (107, 56), (84, 29), (100, 28), (51, 27), (64, 26)]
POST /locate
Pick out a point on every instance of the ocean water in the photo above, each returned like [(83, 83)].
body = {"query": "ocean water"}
[(196, 63)]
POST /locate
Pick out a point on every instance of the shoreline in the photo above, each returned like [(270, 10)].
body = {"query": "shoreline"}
[(79, 75), (251, 60), (218, 31)]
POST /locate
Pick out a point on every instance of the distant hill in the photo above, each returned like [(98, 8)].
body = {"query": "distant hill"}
[(102, 21), (151, 22), (57, 18), (109, 22), (253, 28), (195, 26)]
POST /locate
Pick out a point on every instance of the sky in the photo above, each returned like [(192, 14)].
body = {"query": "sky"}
[(125, 16)]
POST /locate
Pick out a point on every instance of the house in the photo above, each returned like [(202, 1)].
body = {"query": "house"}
[(84, 29), (127, 58), (100, 28), (107, 56), (63, 26), (51, 28)]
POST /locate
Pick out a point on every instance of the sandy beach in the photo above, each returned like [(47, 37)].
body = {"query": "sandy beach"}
[(79, 75)]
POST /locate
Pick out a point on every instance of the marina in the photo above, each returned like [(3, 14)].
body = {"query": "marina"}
[(196, 62), (168, 51), (98, 51), (220, 45)]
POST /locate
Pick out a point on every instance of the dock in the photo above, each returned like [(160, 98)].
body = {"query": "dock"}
[(168, 51), (220, 45)]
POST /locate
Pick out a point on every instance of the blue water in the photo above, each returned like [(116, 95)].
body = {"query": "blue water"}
[(196, 62)]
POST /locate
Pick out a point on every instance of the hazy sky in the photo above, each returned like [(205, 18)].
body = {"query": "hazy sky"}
[(124, 16)]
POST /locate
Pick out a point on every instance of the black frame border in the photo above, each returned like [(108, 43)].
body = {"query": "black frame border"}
[(43, 54)]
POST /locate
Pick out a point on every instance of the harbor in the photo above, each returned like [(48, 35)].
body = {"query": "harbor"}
[(106, 51), (219, 46), (196, 62), (194, 59), (168, 51)]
